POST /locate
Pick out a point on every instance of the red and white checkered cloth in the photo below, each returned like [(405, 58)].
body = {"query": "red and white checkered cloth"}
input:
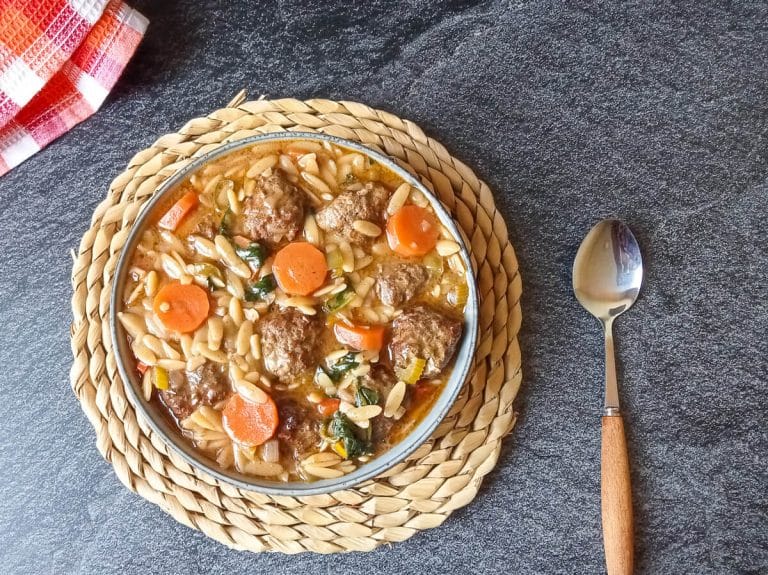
[(58, 61)]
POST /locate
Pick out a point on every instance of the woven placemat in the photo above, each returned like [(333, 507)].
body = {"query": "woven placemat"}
[(442, 475)]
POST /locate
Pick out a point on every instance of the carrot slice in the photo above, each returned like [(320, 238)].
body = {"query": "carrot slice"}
[(178, 211), (181, 307), (300, 268), (360, 337), (141, 367), (412, 231), (328, 406), (248, 422)]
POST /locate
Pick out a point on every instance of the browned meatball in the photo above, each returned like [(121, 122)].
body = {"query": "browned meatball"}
[(275, 210), (189, 389), (399, 282), (290, 342), (381, 431), (368, 203), (423, 332), (299, 427)]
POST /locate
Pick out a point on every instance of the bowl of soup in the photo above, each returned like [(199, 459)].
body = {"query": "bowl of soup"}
[(294, 313)]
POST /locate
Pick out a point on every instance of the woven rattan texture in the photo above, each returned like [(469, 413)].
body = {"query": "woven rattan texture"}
[(442, 475)]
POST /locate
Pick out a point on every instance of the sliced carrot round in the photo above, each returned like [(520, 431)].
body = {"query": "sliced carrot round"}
[(412, 231), (300, 268), (178, 211), (360, 337), (181, 307), (248, 422)]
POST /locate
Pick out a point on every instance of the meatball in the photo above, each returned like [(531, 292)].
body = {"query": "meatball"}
[(298, 431), (368, 203), (275, 210), (381, 431), (423, 332), (290, 343), (399, 282), (189, 389)]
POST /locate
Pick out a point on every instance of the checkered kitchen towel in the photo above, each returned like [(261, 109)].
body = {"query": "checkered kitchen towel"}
[(58, 61)]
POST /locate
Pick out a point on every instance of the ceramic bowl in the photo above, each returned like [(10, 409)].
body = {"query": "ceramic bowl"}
[(159, 422)]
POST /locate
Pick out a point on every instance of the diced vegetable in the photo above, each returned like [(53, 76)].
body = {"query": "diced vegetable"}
[(260, 289), (366, 396), (254, 254), (178, 211), (342, 366), (160, 378), (181, 307), (412, 373), (248, 422), (339, 300), (270, 451), (342, 430), (339, 448), (458, 295), (141, 367), (212, 274), (433, 262), (328, 406), (360, 337), (412, 231), (335, 262), (300, 268)]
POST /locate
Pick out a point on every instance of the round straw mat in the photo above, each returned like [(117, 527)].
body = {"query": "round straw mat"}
[(442, 475)]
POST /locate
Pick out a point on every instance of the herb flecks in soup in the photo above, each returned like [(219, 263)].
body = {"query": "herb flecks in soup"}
[(295, 308)]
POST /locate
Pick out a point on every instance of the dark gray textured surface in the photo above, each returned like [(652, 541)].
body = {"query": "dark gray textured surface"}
[(653, 112)]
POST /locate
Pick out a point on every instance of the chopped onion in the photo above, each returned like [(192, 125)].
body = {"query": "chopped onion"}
[(270, 451)]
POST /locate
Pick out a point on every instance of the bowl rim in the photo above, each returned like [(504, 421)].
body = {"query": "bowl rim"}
[(399, 452)]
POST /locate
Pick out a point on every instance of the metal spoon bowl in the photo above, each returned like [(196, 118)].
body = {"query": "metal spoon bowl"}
[(607, 274), (608, 270)]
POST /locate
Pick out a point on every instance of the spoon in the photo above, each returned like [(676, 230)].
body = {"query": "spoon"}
[(607, 274)]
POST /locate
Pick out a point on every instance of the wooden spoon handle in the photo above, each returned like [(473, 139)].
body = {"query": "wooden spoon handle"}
[(616, 498)]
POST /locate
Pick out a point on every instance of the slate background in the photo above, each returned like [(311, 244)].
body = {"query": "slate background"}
[(655, 112)]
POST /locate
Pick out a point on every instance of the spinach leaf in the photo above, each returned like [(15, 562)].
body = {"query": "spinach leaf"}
[(254, 253), (225, 227), (259, 290), (341, 429), (338, 369), (366, 396)]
